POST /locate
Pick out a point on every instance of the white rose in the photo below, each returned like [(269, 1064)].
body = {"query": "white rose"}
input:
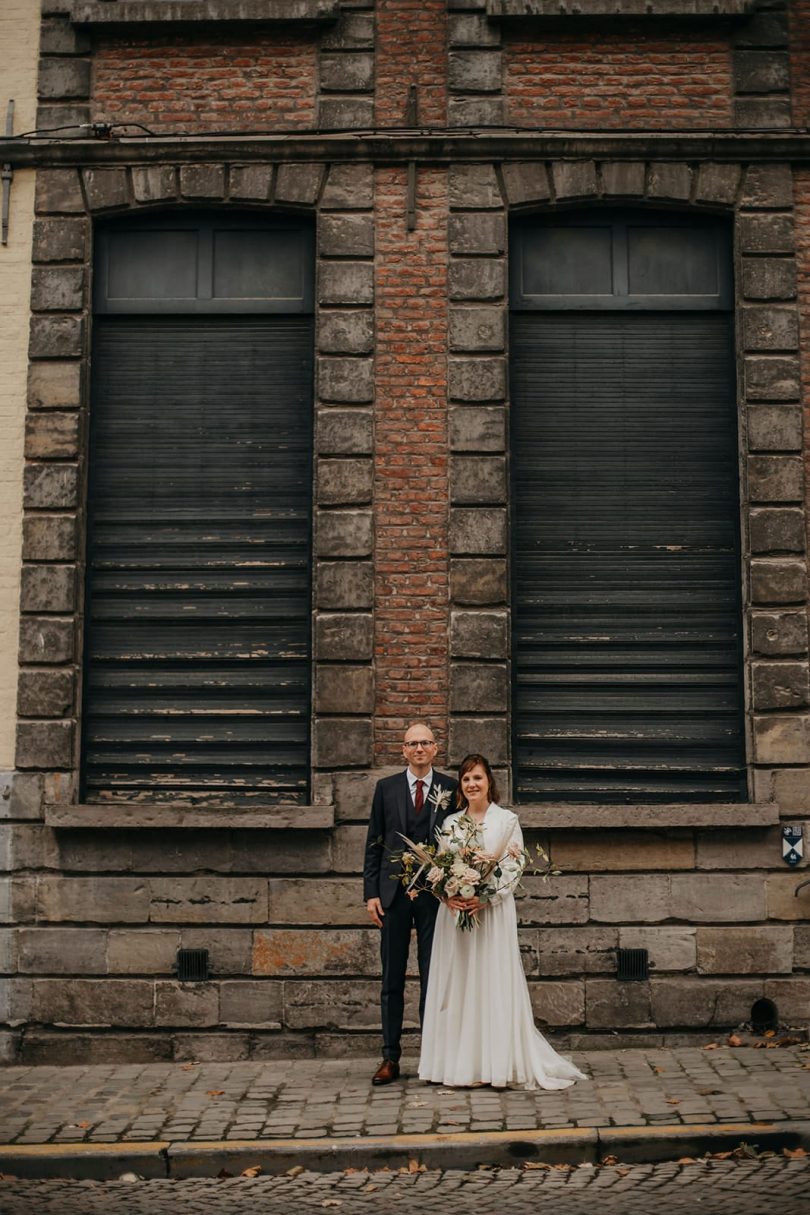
[(466, 891)]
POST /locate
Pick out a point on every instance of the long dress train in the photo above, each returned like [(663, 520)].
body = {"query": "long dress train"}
[(479, 1026)]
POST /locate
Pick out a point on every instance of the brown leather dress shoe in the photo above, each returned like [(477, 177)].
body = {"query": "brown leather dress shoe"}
[(386, 1072)]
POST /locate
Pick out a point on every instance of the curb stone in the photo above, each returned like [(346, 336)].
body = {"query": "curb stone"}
[(85, 1162), (184, 1159)]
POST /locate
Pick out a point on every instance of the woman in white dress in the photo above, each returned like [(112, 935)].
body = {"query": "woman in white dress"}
[(479, 1026)]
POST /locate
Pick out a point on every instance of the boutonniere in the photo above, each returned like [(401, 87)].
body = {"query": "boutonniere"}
[(439, 798)]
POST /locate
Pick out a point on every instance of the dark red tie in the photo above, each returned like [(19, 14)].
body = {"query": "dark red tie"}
[(419, 797)]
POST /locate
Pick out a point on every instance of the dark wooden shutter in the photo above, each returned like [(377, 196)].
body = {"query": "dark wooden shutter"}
[(198, 582), (626, 617)]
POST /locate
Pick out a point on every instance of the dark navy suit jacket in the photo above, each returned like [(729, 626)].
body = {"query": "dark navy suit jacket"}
[(389, 811)]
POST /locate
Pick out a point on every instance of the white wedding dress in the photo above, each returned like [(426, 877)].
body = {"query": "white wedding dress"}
[(479, 1026)]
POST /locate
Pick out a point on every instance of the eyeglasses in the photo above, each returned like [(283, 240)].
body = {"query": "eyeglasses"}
[(420, 742)]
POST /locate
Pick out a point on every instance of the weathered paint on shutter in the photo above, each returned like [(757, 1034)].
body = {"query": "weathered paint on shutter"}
[(626, 614), (198, 582)]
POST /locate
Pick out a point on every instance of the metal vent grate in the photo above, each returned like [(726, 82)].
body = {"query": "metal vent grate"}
[(632, 965), (192, 965)]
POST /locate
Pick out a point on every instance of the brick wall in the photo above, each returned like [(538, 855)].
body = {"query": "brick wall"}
[(411, 595), (800, 61), (410, 490), (618, 79), (266, 82), (411, 50)]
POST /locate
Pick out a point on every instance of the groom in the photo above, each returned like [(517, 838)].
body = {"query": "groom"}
[(412, 803)]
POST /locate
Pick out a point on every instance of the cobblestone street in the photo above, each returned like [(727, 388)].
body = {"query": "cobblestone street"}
[(315, 1099), (716, 1187)]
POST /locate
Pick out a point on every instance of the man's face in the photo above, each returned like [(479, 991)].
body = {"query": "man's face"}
[(419, 749)]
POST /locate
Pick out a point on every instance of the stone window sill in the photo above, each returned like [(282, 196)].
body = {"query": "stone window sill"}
[(118, 815), (549, 10), (141, 14), (641, 818)]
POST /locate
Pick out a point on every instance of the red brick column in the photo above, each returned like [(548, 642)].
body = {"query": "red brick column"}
[(410, 484), (800, 61), (411, 49)]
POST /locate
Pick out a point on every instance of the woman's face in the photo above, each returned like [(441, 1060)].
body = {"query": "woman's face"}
[(474, 784)]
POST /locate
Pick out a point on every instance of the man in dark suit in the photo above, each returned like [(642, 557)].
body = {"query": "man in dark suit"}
[(412, 803)]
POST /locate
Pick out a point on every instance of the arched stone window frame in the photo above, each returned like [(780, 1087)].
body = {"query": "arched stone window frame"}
[(68, 201), (773, 524)]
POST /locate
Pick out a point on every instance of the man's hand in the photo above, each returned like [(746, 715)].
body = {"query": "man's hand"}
[(375, 909)]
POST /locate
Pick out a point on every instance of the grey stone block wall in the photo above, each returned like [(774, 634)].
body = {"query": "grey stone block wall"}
[(346, 70), (92, 921)]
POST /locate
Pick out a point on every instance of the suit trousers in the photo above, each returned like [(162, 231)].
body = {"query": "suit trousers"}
[(395, 940)]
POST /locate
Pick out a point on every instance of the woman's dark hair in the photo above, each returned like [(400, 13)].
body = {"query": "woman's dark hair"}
[(467, 764)]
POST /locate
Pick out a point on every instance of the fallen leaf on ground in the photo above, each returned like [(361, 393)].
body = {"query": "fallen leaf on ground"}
[(760, 1045), (673, 1101), (745, 1152), (222, 1174), (535, 1164), (84, 1125), (214, 1092), (686, 1160), (370, 1188), (415, 1105), (253, 1171), (794, 1153), (295, 1170), (609, 1160), (415, 1167), (186, 1067), (769, 1033), (719, 1155), (789, 1040), (805, 1067), (711, 1046), (563, 1168), (332, 1202), (658, 1071), (733, 1040)]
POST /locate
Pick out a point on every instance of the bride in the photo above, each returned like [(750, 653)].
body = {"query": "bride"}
[(479, 1026)]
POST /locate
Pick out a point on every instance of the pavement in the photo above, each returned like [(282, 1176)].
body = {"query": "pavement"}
[(189, 1120), (773, 1186)]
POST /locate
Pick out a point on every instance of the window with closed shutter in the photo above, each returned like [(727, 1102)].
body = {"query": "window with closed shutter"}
[(626, 645), (196, 683)]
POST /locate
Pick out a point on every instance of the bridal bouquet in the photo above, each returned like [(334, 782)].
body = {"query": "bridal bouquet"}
[(458, 865)]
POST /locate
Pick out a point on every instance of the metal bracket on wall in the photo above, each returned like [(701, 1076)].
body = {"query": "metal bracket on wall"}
[(411, 120), (6, 174)]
